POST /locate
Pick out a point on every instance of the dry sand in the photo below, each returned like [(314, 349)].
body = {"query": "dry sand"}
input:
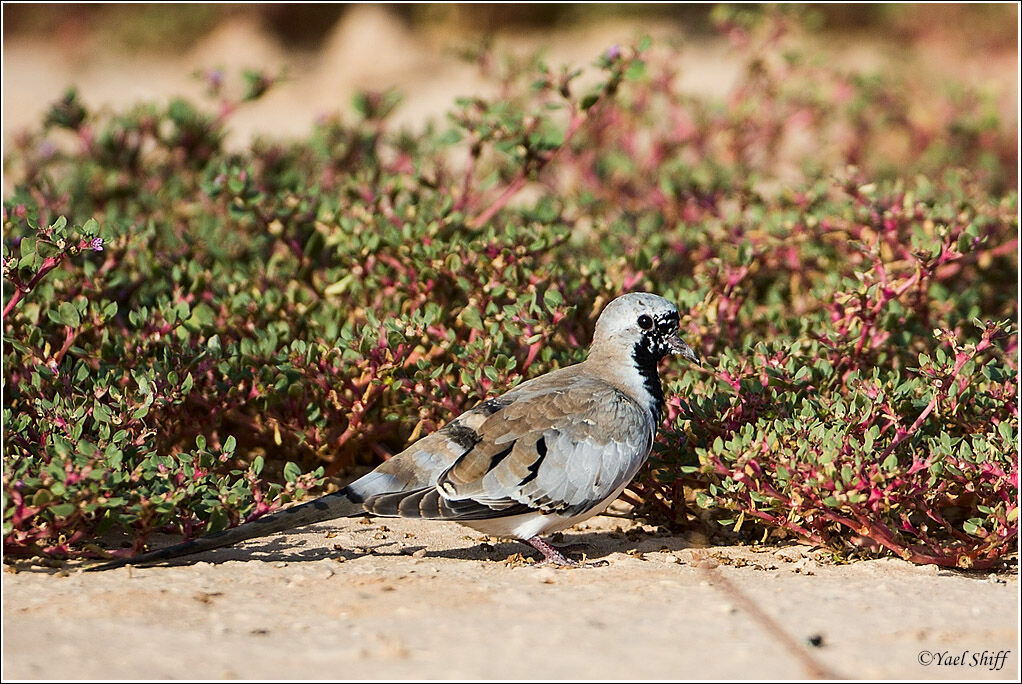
[(399, 599), (369, 48)]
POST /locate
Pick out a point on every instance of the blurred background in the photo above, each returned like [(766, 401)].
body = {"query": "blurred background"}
[(118, 55)]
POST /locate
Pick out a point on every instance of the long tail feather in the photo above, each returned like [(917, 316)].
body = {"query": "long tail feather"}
[(340, 504)]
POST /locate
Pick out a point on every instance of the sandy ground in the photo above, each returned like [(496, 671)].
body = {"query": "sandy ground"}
[(418, 599), (369, 48)]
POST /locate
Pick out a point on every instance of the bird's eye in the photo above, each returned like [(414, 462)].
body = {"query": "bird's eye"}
[(645, 322)]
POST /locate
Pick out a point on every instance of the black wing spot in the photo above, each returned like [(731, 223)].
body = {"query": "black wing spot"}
[(463, 436), (500, 456), (491, 406), (534, 468)]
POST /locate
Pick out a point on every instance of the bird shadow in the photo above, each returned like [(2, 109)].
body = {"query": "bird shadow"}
[(592, 545)]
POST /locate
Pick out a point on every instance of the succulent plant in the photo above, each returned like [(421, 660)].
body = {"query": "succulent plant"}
[(194, 336)]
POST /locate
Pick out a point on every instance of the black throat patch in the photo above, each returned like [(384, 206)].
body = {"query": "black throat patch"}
[(646, 356)]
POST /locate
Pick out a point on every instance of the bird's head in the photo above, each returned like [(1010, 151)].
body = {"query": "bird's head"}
[(641, 324)]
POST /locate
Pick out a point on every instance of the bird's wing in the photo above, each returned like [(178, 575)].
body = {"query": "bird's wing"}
[(420, 465), (561, 446)]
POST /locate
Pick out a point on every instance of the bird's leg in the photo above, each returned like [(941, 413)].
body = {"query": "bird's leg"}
[(552, 556)]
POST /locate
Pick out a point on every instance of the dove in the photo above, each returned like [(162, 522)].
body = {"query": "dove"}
[(550, 453)]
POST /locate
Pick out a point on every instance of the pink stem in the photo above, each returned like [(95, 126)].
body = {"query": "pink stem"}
[(577, 119), (48, 265)]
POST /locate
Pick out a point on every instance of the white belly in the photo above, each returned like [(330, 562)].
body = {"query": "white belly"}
[(529, 525)]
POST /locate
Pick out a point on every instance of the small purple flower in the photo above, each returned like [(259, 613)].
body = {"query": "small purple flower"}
[(97, 244), (215, 78), (612, 53)]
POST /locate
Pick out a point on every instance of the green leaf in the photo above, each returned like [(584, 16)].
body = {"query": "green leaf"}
[(636, 70), (470, 316), (218, 521), (1005, 430), (202, 314), (552, 298), (291, 471), (69, 314), (42, 497), (62, 510), (100, 412)]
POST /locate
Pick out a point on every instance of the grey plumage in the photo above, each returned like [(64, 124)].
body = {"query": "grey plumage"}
[(551, 452)]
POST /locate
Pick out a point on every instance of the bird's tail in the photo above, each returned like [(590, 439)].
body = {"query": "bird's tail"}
[(342, 504)]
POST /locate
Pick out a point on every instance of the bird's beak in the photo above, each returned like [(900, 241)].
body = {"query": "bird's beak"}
[(678, 346)]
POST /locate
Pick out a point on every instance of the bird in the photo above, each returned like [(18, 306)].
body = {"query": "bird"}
[(549, 453)]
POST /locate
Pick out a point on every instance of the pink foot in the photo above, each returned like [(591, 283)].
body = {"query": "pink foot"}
[(552, 556)]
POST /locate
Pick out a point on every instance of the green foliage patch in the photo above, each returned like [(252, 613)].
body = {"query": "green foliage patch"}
[(194, 337)]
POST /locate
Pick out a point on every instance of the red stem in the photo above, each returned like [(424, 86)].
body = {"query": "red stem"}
[(902, 435), (466, 185), (48, 265), (69, 338), (577, 119)]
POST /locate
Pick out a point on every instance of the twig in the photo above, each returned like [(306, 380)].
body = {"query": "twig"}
[(813, 669)]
